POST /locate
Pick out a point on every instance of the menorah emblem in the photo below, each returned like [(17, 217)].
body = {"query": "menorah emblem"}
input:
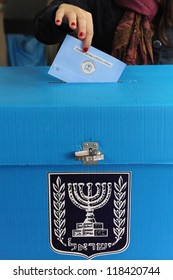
[(89, 202)]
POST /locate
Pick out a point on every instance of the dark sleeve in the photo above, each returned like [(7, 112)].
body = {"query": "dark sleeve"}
[(163, 54), (45, 29)]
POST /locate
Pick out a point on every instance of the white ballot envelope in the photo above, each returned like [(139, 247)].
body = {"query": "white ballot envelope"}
[(72, 65)]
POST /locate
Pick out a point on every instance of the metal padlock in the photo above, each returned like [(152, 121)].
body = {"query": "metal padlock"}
[(90, 155)]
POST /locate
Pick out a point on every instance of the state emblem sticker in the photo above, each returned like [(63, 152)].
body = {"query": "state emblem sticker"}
[(89, 212)]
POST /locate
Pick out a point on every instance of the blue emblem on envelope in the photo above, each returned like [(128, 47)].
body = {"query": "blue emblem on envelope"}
[(89, 213)]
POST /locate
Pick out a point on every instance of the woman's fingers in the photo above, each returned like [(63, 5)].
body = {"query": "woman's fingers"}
[(59, 16), (69, 12), (85, 30), (79, 20)]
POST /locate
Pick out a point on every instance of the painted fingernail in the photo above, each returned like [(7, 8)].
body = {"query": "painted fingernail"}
[(57, 21), (73, 24), (85, 49), (81, 34)]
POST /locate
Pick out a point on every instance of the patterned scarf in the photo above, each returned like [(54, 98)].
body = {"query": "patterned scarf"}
[(132, 42)]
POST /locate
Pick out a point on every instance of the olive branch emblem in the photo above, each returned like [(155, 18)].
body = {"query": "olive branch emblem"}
[(119, 210), (59, 210)]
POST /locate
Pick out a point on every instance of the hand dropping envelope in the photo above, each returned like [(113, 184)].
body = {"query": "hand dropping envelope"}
[(72, 65)]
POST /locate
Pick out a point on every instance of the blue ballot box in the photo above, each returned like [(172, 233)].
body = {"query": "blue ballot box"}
[(86, 169)]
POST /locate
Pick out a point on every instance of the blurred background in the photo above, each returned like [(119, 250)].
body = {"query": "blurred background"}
[(3, 61), (18, 46)]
